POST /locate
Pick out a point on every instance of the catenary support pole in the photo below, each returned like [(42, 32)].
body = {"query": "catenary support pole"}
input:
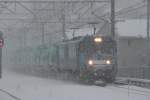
[(113, 18), (148, 21), (148, 26)]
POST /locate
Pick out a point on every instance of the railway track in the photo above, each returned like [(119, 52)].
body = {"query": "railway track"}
[(10, 94)]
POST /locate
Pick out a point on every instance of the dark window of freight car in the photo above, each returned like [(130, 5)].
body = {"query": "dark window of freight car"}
[(66, 51), (129, 43)]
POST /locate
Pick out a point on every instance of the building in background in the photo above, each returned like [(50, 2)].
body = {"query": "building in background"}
[(132, 57)]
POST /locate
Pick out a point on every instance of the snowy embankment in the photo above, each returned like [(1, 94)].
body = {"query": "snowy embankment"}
[(28, 87)]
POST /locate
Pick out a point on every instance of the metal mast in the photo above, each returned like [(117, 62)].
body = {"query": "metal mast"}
[(148, 26), (64, 25), (148, 21), (113, 18)]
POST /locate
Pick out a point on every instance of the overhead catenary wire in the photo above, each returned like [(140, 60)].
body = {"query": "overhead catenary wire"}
[(53, 1)]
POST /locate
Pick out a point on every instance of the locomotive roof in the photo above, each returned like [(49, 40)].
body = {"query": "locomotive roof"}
[(82, 38), (73, 40)]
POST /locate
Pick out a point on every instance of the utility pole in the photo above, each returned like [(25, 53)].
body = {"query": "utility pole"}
[(113, 18), (148, 21), (113, 22), (64, 24), (148, 26)]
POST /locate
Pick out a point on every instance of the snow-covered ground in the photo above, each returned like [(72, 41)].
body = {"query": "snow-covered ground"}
[(27, 87), (4, 96)]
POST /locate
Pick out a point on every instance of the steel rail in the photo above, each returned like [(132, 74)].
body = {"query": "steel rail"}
[(9, 94)]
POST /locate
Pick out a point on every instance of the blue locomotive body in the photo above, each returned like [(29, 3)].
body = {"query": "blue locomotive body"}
[(89, 57)]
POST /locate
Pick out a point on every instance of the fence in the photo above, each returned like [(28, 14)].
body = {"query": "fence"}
[(135, 72)]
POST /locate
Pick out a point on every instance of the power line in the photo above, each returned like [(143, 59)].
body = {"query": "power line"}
[(65, 1)]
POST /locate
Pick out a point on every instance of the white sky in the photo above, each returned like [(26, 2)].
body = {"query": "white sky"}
[(132, 28)]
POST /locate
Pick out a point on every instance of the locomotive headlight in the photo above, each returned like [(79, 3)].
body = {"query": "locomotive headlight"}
[(98, 40), (108, 62), (90, 62)]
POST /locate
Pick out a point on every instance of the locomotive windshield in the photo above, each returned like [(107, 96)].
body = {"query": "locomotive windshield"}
[(99, 48), (103, 50)]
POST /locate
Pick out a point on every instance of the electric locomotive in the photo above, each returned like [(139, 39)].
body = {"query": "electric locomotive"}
[(91, 58)]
